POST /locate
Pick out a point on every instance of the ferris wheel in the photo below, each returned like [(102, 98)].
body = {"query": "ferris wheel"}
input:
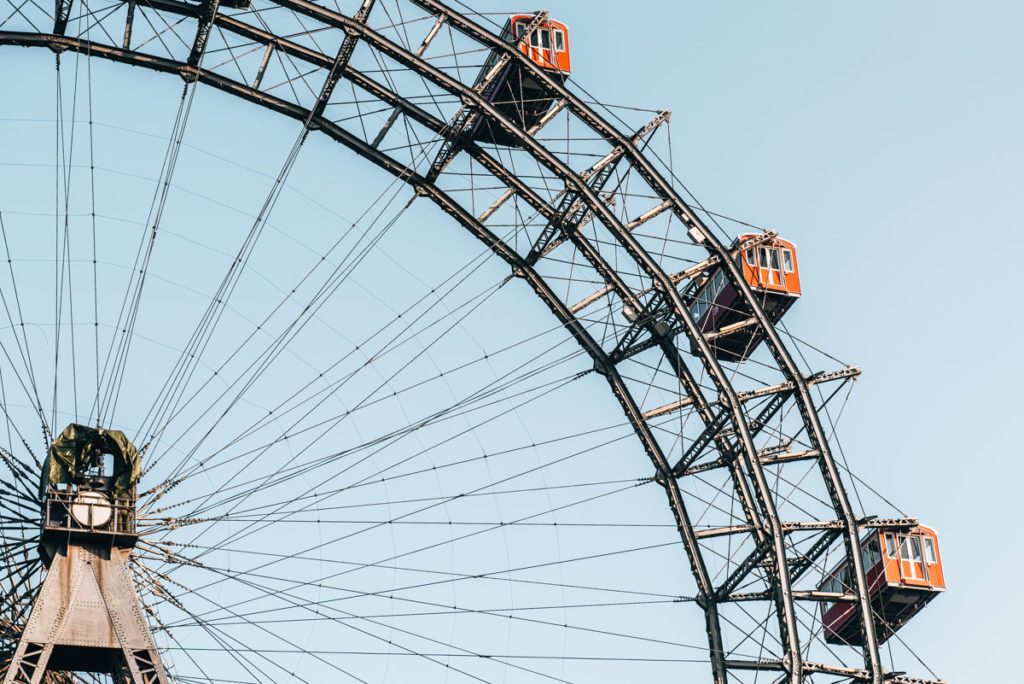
[(412, 412)]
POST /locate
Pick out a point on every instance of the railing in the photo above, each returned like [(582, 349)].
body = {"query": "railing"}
[(85, 511)]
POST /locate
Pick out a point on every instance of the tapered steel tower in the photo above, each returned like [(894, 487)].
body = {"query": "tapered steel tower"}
[(87, 616)]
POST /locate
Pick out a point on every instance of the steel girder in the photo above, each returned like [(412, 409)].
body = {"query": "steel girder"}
[(464, 218), (762, 491), (749, 480), (830, 471)]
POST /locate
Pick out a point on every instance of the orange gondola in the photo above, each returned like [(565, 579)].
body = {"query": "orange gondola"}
[(771, 271), (515, 91), (903, 569)]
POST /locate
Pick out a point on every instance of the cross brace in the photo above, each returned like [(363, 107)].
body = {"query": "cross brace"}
[(680, 276), (785, 387), (340, 63), (485, 86), (572, 210), (655, 316), (853, 674), (87, 617), (61, 14), (693, 453), (207, 12)]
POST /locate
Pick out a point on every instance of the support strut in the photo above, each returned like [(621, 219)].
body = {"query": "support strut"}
[(87, 618)]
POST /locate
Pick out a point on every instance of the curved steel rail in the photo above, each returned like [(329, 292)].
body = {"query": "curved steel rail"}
[(664, 317)]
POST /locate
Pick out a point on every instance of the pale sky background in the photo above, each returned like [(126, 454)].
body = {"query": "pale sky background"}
[(885, 140)]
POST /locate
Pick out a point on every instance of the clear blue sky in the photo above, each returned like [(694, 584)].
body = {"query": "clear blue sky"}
[(884, 139)]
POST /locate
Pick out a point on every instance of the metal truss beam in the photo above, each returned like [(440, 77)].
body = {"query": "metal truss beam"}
[(663, 284), (709, 597), (782, 388), (339, 65), (61, 15), (449, 206), (572, 210), (852, 674), (393, 117), (484, 87), (774, 343), (207, 12)]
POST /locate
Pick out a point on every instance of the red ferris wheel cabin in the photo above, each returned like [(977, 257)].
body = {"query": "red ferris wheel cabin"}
[(547, 47), (770, 270), (904, 572), (514, 90)]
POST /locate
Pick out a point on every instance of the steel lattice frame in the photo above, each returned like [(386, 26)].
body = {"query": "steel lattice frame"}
[(768, 551)]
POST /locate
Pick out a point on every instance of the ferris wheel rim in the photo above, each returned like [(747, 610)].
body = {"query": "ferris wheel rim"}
[(498, 247)]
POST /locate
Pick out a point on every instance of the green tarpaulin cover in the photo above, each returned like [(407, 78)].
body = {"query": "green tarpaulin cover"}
[(77, 447)]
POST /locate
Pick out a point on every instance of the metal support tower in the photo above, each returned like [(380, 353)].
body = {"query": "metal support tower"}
[(87, 616)]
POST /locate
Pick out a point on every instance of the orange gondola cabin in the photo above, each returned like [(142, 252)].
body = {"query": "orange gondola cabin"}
[(903, 569), (770, 269), (514, 91)]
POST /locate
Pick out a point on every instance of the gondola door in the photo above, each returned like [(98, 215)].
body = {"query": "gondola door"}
[(912, 567), (775, 277), (769, 268), (541, 50)]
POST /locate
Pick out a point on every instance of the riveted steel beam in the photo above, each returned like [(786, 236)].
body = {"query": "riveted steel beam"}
[(572, 210), (207, 11), (339, 65), (643, 167), (853, 674), (449, 206), (393, 117), (485, 87), (707, 238), (61, 15)]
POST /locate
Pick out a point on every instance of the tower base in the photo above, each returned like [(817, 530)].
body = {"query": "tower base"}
[(87, 618)]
